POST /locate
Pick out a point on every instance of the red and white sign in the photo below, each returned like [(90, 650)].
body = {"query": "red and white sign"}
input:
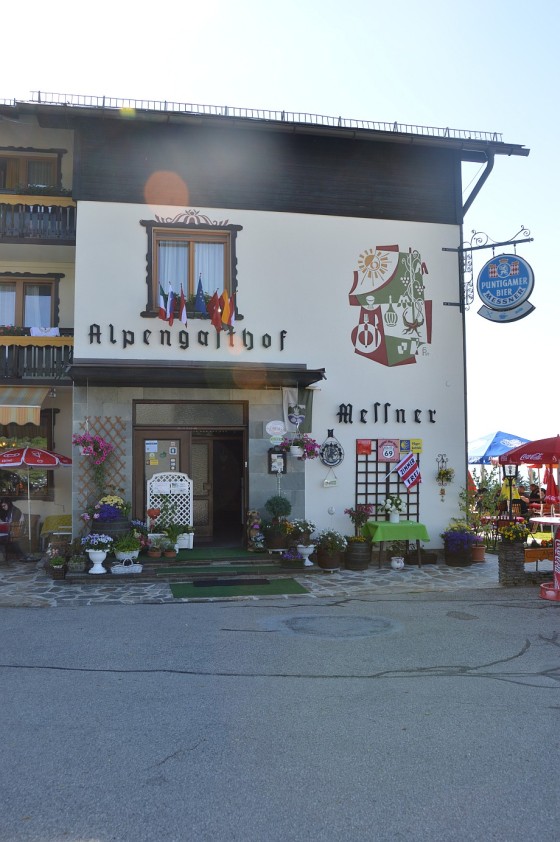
[(408, 471), (388, 450)]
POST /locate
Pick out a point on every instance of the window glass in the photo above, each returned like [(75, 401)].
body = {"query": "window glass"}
[(37, 305), (209, 267), (25, 303), (7, 303), (18, 171)]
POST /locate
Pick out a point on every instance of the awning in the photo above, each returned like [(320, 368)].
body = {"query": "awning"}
[(21, 404), (189, 375)]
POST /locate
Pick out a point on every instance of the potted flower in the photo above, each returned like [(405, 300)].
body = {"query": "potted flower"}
[(57, 567), (157, 543), (127, 546), (277, 534), (392, 506), (98, 450), (360, 515), (181, 535), (97, 545), (445, 475), (358, 552), (330, 547), (276, 531), (458, 540), (108, 515), (301, 532), (300, 445)]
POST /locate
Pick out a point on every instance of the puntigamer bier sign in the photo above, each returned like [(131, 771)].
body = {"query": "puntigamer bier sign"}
[(504, 284)]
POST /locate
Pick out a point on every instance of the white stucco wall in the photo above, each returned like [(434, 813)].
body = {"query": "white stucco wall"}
[(295, 273)]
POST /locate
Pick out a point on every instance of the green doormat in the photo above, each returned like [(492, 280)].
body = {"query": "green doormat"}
[(188, 590), (218, 553), (219, 569)]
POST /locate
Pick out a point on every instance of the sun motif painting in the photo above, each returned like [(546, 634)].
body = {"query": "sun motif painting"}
[(395, 319)]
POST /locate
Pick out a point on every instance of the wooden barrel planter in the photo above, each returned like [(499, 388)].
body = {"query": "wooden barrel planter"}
[(113, 528), (329, 561), (358, 555)]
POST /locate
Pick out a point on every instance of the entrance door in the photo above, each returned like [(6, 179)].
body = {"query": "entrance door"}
[(214, 461)]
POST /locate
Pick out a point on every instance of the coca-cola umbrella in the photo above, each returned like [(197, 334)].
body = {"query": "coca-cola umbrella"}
[(32, 457), (537, 453)]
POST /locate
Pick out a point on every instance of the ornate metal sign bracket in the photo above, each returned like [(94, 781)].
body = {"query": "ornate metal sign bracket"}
[(479, 240)]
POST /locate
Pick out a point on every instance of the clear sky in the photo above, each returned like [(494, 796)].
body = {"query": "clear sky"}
[(489, 65)]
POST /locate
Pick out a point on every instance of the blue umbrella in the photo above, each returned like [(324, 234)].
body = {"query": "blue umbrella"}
[(483, 450)]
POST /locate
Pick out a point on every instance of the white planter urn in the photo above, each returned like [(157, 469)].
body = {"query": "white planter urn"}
[(394, 516), (305, 551), (296, 451), (97, 557)]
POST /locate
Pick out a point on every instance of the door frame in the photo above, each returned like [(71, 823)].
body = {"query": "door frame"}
[(184, 433)]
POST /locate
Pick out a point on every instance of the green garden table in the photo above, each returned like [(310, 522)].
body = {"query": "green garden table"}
[(379, 531)]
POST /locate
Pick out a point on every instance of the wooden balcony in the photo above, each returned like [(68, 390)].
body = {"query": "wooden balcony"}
[(37, 219), (35, 359)]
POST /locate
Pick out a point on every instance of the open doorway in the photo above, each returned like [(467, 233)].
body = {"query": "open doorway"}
[(215, 461)]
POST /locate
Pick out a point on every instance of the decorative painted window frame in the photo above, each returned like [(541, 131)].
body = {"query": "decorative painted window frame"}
[(191, 223)]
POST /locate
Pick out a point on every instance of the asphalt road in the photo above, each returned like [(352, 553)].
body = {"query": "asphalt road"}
[(413, 717)]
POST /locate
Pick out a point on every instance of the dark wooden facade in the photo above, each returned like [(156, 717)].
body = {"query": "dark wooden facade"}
[(266, 166)]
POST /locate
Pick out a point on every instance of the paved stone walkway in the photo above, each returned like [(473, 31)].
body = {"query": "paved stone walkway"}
[(25, 584)]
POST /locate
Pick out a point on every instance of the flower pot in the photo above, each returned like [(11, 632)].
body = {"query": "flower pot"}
[(114, 528), (397, 562), (394, 517), (276, 542), (58, 571), (97, 557), (329, 560), (461, 558), (185, 541), (358, 555), (478, 552), (123, 555), (170, 553), (154, 552), (305, 550), (296, 451)]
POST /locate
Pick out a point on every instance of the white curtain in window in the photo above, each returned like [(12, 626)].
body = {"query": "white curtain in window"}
[(7, 304), (40, 172), (37, 306), (173, 266), (209, 267)]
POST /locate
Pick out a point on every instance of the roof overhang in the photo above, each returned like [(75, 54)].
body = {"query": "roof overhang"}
[(190, 375), (21, 404)]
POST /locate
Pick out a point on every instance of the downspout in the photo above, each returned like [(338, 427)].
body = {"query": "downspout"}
[(476, 190)]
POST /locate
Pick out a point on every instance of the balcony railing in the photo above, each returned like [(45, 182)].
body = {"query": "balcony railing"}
[(37, 218), (35, 358)]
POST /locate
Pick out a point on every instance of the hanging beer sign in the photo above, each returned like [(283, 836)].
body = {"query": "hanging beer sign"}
[(504, 284)]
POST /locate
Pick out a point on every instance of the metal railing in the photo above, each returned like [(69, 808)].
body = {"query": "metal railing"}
[(117, 103)]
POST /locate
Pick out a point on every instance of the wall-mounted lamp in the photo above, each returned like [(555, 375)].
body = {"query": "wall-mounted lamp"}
[(52, 393)]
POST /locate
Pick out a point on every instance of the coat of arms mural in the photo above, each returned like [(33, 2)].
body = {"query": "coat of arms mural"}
[(395, 319)]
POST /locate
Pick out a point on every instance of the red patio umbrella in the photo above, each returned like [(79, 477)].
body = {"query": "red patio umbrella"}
[(551, 487), (32, 457), (539, 452)]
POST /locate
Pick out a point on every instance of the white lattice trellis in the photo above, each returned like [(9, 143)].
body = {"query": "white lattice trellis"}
[(176, 489)]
